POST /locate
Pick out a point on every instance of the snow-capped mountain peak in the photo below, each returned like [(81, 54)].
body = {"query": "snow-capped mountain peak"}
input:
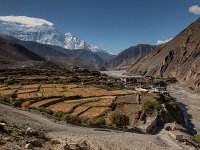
[(41, 31)]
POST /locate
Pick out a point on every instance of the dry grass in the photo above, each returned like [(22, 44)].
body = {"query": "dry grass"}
[(50, 92), (95, 112), (80, 110), (27, 95), (26, 91), (81, 100), (62, 107), (52, 86), (1, 86), (7, 92), (93, 91), (14, 86), (68, 94), (103, 102), (44, 102), (60, 89), (32, 86)]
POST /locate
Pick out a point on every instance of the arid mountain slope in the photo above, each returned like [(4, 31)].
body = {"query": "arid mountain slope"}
[(128, 56), (178, 58), (13, 55), (12, 51), (60, 56)]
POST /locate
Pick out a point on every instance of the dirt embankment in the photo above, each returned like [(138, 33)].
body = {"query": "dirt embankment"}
[(189, 102)]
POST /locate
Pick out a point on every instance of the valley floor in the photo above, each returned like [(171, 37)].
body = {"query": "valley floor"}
[(116, 73), (189, 101), (96, 138)]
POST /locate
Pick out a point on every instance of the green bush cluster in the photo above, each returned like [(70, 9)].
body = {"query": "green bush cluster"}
[(6, 99), (9, 81), (17, 103), (197, 137), (72, 119), (58, 114), (151, 106), (96, 122), (118, 119)]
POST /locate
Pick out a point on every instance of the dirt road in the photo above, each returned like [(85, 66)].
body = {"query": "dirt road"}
[(96, 138), (189, 101)]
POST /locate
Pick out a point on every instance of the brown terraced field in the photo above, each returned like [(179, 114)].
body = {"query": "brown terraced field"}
[(80, 110), (45, 102), (95, 112), (63, 107), (77, 100)]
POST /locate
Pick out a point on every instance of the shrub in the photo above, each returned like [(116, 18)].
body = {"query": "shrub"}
[(17, 103), (75, 79), (42, 109), (6, 99), (168, 98), (72, 119), (197, 137), (96, 122), (26, 104), (14, 95), (119, 119), (66, 117), (58, 114), (151, 106), (9, 81), (75, 119)]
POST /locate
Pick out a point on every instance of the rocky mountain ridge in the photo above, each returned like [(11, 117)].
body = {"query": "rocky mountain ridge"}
[(178, 58)]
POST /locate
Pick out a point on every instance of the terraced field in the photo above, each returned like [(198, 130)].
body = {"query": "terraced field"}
[(45, 102), (63, 107), (82, 101), (26, 91), (7, 92), (80, 110), (32, 86), (50, 92), (76, 100), (102, 101), (25, 96), (95, 112)]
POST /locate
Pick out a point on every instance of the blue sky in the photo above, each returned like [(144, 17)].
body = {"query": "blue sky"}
[(111, 24)]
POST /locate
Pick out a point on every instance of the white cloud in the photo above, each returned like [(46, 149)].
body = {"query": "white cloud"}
[(163, 41), (24, 20), (195, 9)]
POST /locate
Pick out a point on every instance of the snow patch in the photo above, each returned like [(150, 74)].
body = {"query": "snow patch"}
[(163, 41)]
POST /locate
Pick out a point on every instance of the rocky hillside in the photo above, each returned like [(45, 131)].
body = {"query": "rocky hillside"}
[(129, 56), (178, 58)]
